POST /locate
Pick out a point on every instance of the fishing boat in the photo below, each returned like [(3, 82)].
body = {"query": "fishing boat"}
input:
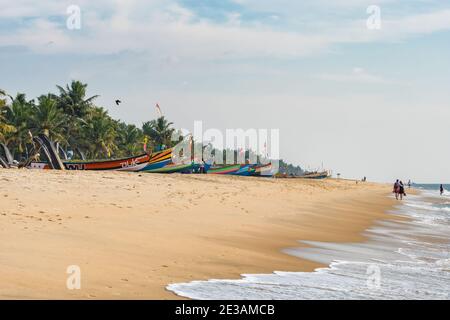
[(316, 175), (172, 168), (135, 163), (245, 170), (223, 169), (158, 162), (164, 163), (235, 169), (264, 170)]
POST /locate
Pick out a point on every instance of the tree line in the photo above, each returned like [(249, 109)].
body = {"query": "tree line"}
[(72, 119)]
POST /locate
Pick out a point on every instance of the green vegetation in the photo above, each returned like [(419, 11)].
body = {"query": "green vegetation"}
[(290, 170), (72, 120)]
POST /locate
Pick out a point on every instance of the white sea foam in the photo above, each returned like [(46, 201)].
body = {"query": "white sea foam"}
[(412, 257)]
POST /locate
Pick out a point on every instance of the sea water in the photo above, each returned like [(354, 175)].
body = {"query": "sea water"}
[(407, 259)]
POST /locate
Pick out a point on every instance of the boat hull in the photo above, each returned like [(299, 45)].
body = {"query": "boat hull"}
[(133, 164), (265, 170), (224, 169), (127, 164), (245, 170), (171, 168), (235, 170), (162, 163), (316, 175)]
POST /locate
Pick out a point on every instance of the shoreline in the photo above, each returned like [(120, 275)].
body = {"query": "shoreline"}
[(401, 259), (133, 234)]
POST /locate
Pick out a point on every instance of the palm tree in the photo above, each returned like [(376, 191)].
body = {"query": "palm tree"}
[(73, 102), (99, 134), (18, 115), (48, 119), (5, 128), (129, 139), (159, 131), (73, 120)]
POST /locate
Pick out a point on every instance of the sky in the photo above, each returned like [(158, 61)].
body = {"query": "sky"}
[(364, 101)]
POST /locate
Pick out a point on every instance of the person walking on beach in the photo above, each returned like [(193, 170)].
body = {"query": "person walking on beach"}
[(441, 188), (396, 189), (401, 190)]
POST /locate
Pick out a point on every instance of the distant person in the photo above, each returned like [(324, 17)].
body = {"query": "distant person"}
[(396, 189), (441, 189), (409, 184)]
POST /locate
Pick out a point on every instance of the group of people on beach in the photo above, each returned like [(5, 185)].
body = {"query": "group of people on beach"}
[(399, 189)]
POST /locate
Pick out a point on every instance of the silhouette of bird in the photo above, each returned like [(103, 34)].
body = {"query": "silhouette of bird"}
[(118, 102)]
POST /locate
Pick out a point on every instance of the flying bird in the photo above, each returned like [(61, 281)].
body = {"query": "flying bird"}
[(118, 102)]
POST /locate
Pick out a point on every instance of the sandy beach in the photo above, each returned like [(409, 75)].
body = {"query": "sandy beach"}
[(133, 234)]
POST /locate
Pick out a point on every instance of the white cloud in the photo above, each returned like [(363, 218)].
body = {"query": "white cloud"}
[(30, 8), (165, 28), (165, 31)]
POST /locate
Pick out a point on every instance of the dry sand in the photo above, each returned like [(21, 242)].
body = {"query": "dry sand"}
[(132, 234)]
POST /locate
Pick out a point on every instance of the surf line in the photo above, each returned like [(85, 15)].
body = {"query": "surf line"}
[(186, 310)]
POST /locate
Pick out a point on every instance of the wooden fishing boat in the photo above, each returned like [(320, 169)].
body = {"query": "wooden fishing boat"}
[(43, 143), (245, 170), (264, 170), (163, 163), (224, 169), (171, 168), (235, 169), (315, 175), (135, 163), (158, 161)]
